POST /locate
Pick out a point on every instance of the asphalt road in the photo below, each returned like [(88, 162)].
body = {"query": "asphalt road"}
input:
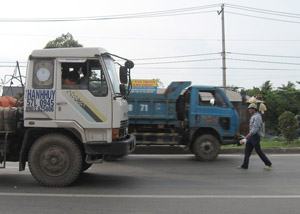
[(162, 184)]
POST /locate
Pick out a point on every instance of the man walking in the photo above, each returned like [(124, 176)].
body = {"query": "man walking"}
[(253, 138)]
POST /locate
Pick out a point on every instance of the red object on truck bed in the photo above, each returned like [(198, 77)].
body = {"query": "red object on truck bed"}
[(8, 101)]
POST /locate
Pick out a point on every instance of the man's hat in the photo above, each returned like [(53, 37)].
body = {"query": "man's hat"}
[(252, 105)]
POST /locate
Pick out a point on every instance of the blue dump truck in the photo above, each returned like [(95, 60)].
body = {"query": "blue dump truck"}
[(200, 118)]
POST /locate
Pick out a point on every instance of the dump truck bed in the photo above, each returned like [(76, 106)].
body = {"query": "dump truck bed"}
[(156, 108)]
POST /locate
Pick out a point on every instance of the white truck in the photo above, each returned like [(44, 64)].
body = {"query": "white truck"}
[(75, 113)]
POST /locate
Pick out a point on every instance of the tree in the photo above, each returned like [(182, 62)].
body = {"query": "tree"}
[(285, 98), (289, 87), (64, 41), (266, 88), (288, 125)]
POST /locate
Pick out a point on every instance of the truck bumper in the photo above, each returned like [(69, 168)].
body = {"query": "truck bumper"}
[(122, 147)]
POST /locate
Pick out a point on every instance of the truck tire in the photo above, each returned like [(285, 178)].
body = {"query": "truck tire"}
[(55, 160), (206, 147)]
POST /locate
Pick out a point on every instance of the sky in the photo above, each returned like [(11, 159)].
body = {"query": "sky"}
[(184, 47)]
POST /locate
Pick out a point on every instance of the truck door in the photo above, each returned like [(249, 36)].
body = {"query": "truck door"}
[(83, 96), (214, 110)]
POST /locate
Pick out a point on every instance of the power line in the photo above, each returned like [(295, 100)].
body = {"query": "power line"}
[(11, 66), (152, 16), (181, 61), (261, 17), (263, 61), (271, 13), (162, 38), (263, 40), (264, 11), (177, 68), (263, 69), (161, 13), (178, 56), (255, 78), (11, 62), (75, 19), (216, 68), (264, 55), (171, 12)]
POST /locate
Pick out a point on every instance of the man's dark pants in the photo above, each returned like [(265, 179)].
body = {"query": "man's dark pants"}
[(254, 142)]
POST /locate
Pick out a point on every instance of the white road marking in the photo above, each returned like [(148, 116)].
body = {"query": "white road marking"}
[(6, 194)]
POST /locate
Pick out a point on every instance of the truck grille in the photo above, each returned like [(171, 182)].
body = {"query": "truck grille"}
[(124, 124), (123, 128)]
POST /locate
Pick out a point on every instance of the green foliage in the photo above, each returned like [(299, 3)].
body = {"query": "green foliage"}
[(266, 143), (288, 125), (285, 98), (64, 41)]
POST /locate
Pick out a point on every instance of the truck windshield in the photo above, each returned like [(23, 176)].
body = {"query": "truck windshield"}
[(112, 71)]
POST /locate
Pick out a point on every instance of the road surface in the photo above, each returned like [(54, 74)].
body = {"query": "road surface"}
[(161, 184)]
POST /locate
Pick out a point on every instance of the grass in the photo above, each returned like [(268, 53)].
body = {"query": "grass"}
[(270, 143), (279, 143)]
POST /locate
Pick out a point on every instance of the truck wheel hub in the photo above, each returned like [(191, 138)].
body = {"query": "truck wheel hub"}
[(55, 161), (207, 147)]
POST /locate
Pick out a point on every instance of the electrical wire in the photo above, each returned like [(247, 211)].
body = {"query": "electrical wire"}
[(263, 69), (271, 13), (264, 55), (177, 68), (181, 61), (160, 13), (12, 66), (261, 17), (264, 11), (162, 39), (263, 40), (215, 53), (11, 62), (263, 61), (178, 56), (216, 68)]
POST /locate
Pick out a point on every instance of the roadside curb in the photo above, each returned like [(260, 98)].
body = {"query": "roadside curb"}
[(182, 150)]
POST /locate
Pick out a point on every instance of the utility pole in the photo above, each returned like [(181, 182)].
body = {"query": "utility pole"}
[(223, 45)]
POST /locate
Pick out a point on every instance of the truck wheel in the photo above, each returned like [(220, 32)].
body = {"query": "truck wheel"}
[(206, 147), (55, 160)]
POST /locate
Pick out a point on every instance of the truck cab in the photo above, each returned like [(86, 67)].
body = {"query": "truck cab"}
[(91, 105), (209, 113), (210, 108), (74, 113)]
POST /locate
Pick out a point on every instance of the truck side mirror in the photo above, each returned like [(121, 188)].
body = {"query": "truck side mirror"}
[(122, 89), (212, 101), (123, 75), (129, 64)]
